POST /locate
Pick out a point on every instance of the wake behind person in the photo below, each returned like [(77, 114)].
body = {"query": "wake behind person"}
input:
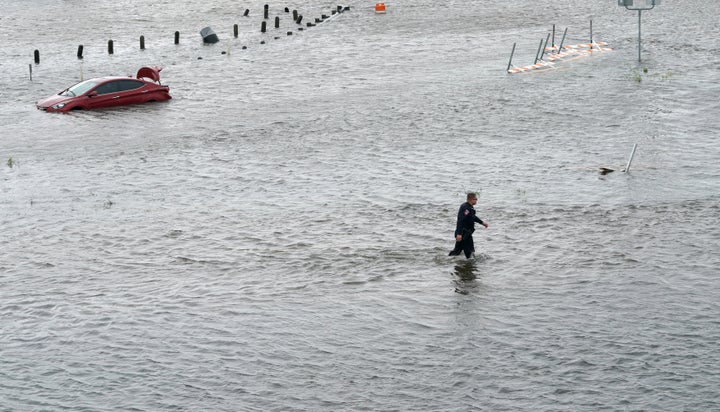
[(466, 226)]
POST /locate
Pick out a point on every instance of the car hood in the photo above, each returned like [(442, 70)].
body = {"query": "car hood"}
[(53, 100)]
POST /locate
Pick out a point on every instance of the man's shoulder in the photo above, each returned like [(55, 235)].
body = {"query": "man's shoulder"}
[(466, 209)]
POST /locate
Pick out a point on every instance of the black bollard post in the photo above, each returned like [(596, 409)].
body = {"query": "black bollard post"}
[(142, 42), (30, 67), (295, 14), (262, 27), (265, 13), (287, 10), (177, 37), (247, 12), (110, 47), (277, 22), (289, 33), (235, 30), (299, 19), (37, 56), (80, 51)]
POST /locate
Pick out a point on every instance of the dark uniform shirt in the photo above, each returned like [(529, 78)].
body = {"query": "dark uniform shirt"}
[(466, 220)]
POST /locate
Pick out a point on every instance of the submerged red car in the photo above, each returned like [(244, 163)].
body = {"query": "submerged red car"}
[(109, 91)]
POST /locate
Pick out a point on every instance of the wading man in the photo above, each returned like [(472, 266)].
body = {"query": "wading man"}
[(466, 226)]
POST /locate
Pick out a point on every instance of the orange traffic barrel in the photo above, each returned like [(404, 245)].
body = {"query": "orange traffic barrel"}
[(379, 7)]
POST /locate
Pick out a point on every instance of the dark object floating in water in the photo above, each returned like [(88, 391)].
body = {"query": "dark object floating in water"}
[(209, 35), (605, 170)]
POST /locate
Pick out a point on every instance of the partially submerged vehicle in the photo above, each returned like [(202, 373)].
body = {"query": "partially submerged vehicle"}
[(108, 92)]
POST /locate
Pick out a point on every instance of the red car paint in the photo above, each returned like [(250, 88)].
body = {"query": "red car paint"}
[(109, 91)]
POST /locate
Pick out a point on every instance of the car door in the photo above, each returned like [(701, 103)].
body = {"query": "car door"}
[(131, 91), (104, 95)]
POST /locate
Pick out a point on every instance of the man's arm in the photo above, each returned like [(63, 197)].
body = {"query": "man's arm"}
[(477, 219)]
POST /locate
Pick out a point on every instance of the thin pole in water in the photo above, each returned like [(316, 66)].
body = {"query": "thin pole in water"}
[(632, 154), (562, 41), (537, 54), (545, 47), (511, 56), (627, 4), (639, 37), (30, 66)]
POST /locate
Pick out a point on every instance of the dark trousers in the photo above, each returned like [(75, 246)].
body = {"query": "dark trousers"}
[(466, 245)]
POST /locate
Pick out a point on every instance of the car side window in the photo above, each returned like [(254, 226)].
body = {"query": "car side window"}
[(129, 85), (109, 87)]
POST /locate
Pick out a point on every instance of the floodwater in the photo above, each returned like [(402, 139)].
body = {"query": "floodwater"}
[(275, 237)]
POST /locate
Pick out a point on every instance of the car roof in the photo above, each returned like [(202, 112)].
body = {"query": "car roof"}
[(106, 78)]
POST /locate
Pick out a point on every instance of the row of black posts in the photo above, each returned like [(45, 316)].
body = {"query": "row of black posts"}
[(297, 18)]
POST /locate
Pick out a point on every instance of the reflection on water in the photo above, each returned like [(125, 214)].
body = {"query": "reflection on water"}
[(466, 274), (465, 270)]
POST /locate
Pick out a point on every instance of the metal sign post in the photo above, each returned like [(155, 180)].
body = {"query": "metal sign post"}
[(628, 4)]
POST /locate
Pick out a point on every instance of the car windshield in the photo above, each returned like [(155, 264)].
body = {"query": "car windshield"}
[(79, 88)]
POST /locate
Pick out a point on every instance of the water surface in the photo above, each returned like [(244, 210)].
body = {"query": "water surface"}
[(275, 237)]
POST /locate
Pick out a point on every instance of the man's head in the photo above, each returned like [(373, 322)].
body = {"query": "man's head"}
[(472, 198)]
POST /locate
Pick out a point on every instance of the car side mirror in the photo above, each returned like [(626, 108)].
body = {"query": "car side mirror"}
[(92, 94)]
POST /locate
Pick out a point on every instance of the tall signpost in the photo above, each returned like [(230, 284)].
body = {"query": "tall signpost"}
[(628, 4)]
